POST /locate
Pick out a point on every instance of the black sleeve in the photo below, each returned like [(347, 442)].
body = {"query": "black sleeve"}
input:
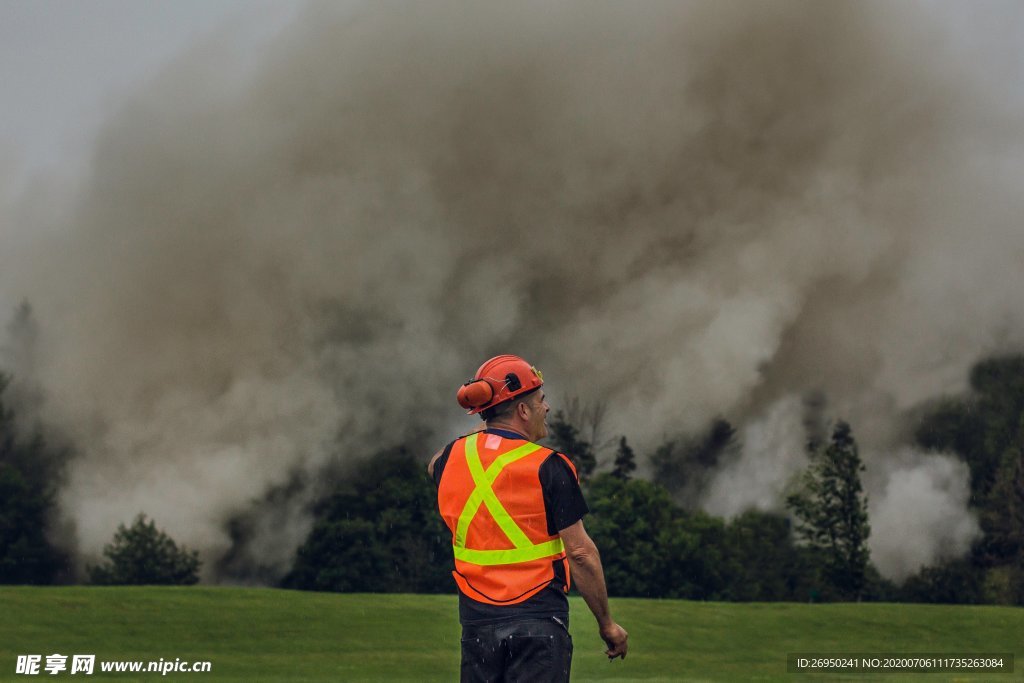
[(563, 498), (441, 462)]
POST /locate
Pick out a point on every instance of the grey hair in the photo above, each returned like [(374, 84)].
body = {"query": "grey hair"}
[(505, 407)]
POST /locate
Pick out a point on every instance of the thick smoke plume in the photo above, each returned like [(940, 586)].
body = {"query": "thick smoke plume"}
[(688, 209)]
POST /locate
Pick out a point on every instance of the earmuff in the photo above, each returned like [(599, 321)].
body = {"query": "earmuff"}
[(499, 379), (475, 393)]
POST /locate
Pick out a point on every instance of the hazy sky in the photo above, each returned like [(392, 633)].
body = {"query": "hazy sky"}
[(65, 64)]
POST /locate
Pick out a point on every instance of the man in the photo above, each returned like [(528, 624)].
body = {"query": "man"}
[(515, 511)]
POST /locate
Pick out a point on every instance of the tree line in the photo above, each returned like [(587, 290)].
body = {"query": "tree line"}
[(381, 532), (379, 529)]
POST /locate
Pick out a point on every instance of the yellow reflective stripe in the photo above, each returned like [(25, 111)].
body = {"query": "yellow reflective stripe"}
[(483, 494), (475, 498), (483, 484), (512, 555)]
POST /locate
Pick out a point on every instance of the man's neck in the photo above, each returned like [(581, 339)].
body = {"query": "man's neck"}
[(494, 424)]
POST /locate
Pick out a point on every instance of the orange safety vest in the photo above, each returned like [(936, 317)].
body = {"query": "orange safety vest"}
[(491, 499)]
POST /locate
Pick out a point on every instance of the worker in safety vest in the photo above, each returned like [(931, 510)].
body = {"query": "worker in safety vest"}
[(515, 511)]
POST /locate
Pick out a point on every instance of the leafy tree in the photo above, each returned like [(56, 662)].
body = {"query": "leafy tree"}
[(998, 384), (831, 513), (982, 426), (986, 429), (696, 563), (1002, 520), (629, 519), (565, 437), (1004, 584), (766, 564), (144, 555), (379, 532), (652, 548), (955, 582), (625, 461), (1003, 516)]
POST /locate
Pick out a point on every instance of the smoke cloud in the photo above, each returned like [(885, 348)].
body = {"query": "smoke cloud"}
[(774, 452), (918, 517), (688, 209)]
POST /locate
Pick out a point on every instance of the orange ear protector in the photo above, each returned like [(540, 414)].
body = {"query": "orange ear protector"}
[(496, 381), (475, 393)]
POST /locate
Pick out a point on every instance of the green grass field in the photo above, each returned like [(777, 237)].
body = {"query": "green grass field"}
[(276, 635)]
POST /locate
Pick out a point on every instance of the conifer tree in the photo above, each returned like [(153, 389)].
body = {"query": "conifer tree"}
[(625, 461), (28, 484), (831, 513)]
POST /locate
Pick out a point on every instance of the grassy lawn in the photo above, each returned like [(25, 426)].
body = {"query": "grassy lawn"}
[(276, 635)]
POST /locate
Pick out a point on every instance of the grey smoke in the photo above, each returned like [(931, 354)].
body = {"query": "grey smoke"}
[(918, 515), (773, 454), (917, 502), (689, 210)]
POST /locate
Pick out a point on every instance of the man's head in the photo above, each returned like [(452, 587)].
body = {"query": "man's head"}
[(506, 390), (525, 414)]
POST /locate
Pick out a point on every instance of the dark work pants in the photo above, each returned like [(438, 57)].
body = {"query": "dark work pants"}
[(527, 651)]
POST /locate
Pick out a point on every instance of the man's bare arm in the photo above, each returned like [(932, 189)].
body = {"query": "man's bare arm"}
[(588, 575)]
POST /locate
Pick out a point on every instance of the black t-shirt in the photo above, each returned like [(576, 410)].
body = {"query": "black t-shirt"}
[(564, 505)]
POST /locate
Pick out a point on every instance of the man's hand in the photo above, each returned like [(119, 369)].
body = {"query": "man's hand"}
[(615, 638)]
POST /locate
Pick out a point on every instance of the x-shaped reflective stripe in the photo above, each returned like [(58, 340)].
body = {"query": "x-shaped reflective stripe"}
[(483, 494)]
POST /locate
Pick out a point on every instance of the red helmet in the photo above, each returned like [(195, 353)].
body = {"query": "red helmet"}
[(498, 380)]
